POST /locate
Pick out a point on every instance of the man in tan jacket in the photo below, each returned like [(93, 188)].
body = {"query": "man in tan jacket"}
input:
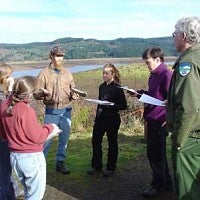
[(54, 87)]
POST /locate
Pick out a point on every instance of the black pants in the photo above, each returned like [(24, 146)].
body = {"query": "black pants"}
[(156, 153), (110, 125)]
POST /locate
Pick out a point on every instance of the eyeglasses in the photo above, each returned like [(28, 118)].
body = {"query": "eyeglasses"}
[(174, 34)]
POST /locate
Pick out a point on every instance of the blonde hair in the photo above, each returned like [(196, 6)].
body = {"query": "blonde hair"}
[(22, 89), (114, 71), (5, 72)]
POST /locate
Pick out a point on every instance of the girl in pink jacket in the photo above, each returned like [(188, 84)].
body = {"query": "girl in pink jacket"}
[(26, 136)]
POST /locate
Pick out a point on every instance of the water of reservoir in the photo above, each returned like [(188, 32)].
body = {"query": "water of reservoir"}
[(74, 69)]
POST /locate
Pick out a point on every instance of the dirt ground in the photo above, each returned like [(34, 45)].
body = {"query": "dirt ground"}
[(126, 184)]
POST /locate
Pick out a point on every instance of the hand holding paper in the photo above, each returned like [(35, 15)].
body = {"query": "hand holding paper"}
[(131, 91), (151, 100), (45, 92), (80, 92), (55, 132)]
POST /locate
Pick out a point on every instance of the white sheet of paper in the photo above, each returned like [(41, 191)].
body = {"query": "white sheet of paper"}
[(80, 92), (129, 90), (100, 102), (151, 100), (54, 133)]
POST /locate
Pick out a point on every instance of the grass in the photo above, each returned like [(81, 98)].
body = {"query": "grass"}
[(79, 152)]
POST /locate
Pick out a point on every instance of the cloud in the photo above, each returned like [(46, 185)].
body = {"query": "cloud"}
[(24, 21), (51, 28), (48, 29)]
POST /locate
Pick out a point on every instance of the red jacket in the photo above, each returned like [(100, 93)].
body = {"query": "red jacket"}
[(22, 130)]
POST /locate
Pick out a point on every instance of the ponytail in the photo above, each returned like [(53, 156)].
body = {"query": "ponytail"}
[(22, 89)]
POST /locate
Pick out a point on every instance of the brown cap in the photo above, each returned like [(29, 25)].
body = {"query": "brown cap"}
[(57, 51)]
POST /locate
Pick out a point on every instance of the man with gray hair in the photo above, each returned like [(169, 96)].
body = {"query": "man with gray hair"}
[(183, 109)]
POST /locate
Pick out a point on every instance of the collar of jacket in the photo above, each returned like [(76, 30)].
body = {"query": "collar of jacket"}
[(159, 69), (194, 47)]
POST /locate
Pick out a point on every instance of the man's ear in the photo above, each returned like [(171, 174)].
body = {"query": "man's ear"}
[(184, 36), (158, 59)]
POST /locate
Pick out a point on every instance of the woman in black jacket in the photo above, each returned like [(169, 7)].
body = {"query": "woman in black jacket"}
[(107, 120)]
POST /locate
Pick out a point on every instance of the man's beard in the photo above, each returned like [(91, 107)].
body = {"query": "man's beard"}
[(58, 64)]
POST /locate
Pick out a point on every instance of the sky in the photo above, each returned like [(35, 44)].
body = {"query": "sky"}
[(26, 21)]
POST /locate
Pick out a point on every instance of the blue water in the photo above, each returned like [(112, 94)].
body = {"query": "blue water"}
[(74, 69)]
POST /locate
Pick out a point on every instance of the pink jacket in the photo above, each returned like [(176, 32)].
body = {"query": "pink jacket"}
[(22, 130)]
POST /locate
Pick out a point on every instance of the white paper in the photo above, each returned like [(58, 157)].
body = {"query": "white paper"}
[(54, 133), (100, 102), (129, 90), (80, 92), (151, 100)]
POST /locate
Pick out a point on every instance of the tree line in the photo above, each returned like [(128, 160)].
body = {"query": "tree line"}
[(80, 48)]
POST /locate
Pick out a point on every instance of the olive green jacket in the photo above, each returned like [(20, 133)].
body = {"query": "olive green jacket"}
[(183, 109)]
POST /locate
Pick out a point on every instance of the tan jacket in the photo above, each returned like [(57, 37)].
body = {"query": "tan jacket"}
[(58, 84)]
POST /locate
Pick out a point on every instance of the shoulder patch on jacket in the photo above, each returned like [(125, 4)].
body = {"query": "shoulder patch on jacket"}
[(184, 68)]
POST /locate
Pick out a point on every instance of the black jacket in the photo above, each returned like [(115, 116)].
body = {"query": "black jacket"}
[(113, 93)]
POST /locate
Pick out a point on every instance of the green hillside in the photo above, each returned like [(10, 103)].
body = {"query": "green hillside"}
[(79, 48)]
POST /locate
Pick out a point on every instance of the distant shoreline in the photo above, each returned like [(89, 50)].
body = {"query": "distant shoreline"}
[(18, 66)]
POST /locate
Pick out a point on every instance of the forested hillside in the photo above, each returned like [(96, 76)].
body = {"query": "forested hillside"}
[(79, 48)]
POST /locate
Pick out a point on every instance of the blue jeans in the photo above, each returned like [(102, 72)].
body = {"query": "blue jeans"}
[(62, 118), (30, 168), (6, 186)]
